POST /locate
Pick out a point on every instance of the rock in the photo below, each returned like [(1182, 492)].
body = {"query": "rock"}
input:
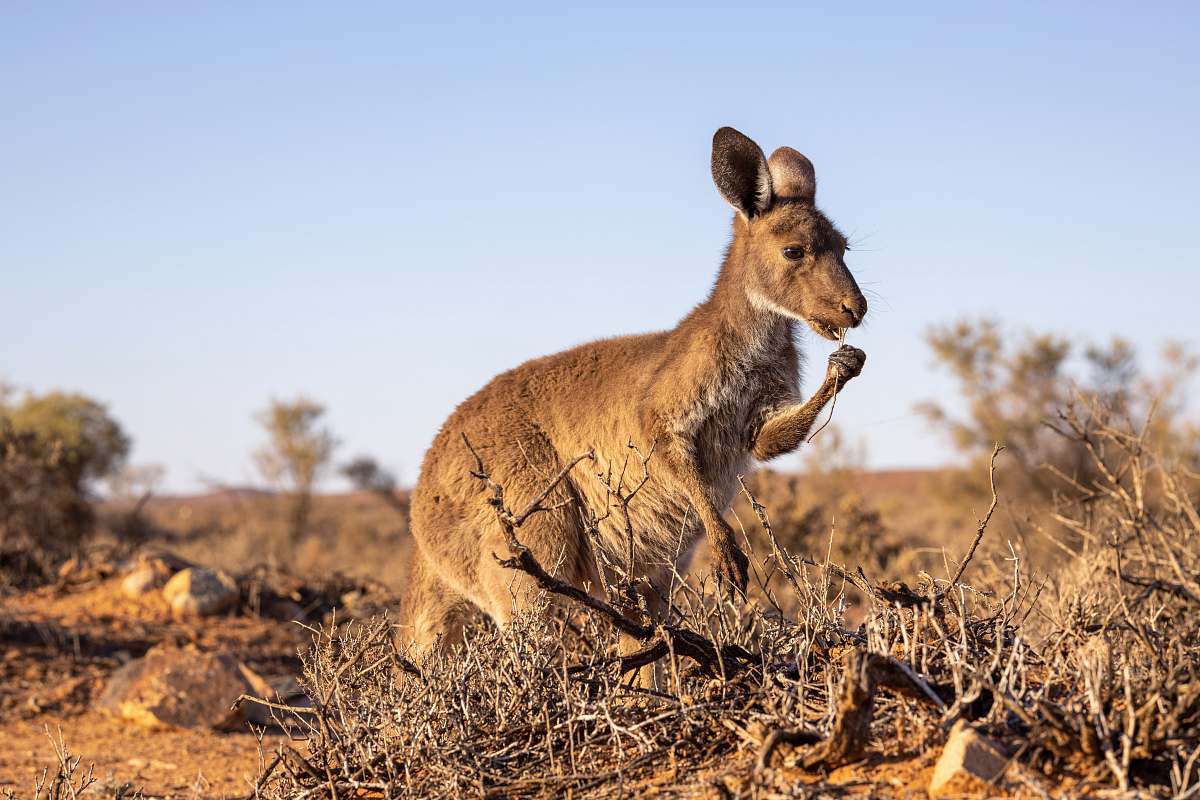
[(178, 688), (199, 592), (259, 686), (149, 574), (970, 764), (282, 609)]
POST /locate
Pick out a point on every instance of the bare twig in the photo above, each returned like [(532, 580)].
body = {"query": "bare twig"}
[(983, 523)]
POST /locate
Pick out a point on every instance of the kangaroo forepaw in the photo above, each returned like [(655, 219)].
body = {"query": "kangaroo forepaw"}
[(733, 570), (846, 362)]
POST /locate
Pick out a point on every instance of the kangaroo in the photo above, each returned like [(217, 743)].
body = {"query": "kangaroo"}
[(705, 399)]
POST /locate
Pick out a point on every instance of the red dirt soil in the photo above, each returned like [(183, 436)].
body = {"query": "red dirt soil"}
[(61, 647)]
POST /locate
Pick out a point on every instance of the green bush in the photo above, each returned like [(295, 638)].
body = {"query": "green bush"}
[(53, 448)]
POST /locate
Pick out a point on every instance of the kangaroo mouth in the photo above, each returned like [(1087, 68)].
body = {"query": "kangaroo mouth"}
[(828, 331)]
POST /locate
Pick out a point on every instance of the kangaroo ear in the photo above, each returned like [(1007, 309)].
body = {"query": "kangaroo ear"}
[(792, 175), (740, 172)]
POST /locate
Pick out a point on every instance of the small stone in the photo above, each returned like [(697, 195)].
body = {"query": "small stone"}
[(177, 688), (969, 766), (199, 592), (258, 713), (281, 608), (259, 686), (147, 576)]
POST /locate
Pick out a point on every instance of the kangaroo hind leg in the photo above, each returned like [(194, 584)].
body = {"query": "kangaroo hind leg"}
[(434, 613)]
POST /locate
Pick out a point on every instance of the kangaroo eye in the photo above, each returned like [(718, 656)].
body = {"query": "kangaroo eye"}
[(793, 253)]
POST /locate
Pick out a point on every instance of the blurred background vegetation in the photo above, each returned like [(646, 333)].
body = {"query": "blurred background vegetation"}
[(67, 484)]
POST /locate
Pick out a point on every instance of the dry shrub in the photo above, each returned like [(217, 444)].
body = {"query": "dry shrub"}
[(838, 523), (825, 513), (1118, 626), (1090, 674)]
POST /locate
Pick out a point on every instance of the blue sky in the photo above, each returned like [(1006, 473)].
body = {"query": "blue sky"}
[(206, 205)]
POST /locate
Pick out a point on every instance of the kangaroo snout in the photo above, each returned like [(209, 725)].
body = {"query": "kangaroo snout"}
[(854, 308)]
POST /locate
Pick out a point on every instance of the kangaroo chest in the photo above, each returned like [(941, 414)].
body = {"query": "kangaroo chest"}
[(722, 431)]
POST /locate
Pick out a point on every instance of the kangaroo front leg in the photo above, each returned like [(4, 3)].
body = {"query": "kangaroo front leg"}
[(733, 568), (786, 429)]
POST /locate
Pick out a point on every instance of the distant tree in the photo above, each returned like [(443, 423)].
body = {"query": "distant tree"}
[(368, 476), (136, 481), (298, 451), (93, 445)]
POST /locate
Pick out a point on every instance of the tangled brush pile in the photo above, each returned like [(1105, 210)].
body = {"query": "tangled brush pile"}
[(1089, 678)]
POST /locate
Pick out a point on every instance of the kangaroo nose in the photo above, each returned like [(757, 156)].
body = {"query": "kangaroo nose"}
[(856, 309)]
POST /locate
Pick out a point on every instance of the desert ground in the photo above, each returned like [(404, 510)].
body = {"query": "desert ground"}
[(307, 616), (1021, 624), (64, 641)]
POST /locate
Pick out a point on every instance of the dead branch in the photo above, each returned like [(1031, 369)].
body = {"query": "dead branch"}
[(781, 736), (726, 660), (851, 727), (983, 523)]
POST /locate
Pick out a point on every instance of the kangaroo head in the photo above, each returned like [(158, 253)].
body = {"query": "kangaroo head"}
[(791, 256)]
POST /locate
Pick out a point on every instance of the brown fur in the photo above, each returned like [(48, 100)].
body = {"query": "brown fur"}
[(710, 396)]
